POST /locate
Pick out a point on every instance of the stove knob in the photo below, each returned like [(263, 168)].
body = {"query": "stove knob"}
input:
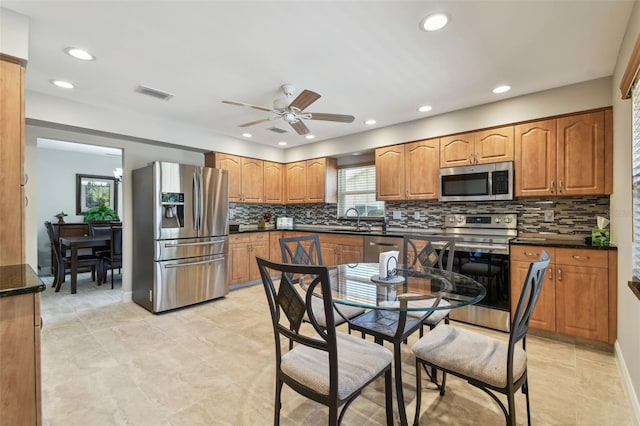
[(452, 219), (498, 220), (507, 220), (460, 219)]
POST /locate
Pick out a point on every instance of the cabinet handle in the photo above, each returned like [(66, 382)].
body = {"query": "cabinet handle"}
[(531, 254), (26, 201), (559, 274), (553, 186), (560, 186), (26, 178), (550, 270), (576, 257), (476, 162), (471, 158)]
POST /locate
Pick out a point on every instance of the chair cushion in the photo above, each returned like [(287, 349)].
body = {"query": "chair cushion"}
[(359, 361), (317, 305), (434, 318), (471, 354)]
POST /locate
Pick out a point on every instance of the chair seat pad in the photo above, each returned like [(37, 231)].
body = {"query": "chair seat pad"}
[(359, 361), (433, 318), (471, 354), (317, 305)]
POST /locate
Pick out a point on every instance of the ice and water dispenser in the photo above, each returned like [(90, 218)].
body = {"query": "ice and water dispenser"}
[(173, 206)]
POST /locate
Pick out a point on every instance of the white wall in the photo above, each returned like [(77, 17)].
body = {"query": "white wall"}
[(14, 34), (628, 345), (56, 190), (134, 155)]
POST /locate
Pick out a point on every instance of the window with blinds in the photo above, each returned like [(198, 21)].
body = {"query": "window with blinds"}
[(636, 179), (357, 189)]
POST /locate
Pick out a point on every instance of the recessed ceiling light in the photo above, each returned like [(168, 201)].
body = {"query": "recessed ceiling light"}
[(310, 137), (63, 84), (355, 153), (282, 143), (79, 54), (247, 135), (425, 108), (370, 122), (502, 89), (434, 22)]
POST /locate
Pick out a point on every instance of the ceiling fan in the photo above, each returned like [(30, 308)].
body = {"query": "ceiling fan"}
[(293, 112)]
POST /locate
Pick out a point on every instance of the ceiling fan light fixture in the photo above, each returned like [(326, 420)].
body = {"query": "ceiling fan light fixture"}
[(424, 108), (78, 53), (370, 122), (502, 89), (62, 84), (434, 22)]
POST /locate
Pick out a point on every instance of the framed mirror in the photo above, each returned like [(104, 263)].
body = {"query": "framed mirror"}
[(92, 191)]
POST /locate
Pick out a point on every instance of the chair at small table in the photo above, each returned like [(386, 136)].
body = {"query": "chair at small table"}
[(329, 367), (305, 250), (113, 258), (62, 262), (490, 364)]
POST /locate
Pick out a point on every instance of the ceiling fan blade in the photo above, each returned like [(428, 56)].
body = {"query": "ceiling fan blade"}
[(331, 117), (300, 127), (251, 123), (304, 99), (247, 105)]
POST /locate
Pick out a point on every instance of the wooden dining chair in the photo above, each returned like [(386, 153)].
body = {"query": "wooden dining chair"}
[(490, 364), (321, 363), (112, 259)]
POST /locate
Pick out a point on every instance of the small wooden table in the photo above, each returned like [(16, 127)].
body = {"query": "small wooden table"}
[(75, 243)]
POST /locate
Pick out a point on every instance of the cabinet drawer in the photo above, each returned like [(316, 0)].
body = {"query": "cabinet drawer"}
[(530, 253), (239, 238), (582, 257), (259, 237)]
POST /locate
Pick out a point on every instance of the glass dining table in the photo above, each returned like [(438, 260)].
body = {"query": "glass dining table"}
[(397, 306)]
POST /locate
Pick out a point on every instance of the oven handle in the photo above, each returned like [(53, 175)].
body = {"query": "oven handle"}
[(382, 244), (481, 246)]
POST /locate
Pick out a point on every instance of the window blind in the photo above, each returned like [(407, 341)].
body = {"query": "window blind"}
[(357, 189), (636, 178)]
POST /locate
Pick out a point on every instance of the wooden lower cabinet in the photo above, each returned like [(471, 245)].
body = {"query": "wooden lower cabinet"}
[(275, 253), (243, 250), (338, 248), (578, 297), (20, 360)]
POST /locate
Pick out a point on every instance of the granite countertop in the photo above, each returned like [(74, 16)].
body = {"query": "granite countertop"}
[(336, 229), (556, 240), (19, 279)]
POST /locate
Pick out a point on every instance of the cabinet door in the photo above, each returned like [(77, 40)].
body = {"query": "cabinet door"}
[(296, 174), (493, 146), (582, 301), (422, 164), (273, 183), (544, 314), (457, 150), (238, 261), (257, 249), (351, 254), (233, 164), (252, 180), (581, 154), (390, 173), (535, 159), (275, 253), (316, 177), (11, 163)]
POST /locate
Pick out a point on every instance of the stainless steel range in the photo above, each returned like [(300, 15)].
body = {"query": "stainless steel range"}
[(482, 252)]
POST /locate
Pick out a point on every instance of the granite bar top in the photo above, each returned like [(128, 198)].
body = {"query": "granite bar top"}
[(19, 279), (569, 241)]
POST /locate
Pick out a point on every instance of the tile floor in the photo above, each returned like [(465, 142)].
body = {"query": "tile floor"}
[(105, 362)]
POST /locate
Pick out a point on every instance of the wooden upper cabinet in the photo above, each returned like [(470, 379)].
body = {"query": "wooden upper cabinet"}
[(457, 150), (494, 146), (245, 176), (422, 172), (535, 159), (581, 154), (273, 182), (252, 180), (296, 182), (390, 182), (12, 163)]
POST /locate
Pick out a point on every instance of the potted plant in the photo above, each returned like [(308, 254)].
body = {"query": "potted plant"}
[(102, 212), (61, 216)]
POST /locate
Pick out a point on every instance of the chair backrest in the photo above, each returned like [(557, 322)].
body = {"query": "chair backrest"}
[(53, 239), (526, 303), (303, 250), (419, 252), (288, 307), (116, 242), (100, 228)]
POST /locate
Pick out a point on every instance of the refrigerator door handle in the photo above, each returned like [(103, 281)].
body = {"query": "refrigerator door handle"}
[(200, 202), (204, 243), (196, 203), (179, 265)]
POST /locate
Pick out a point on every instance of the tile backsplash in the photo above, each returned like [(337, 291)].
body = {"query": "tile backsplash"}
[(571, 215)]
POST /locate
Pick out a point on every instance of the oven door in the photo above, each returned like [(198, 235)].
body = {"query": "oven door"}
[(492, 271)]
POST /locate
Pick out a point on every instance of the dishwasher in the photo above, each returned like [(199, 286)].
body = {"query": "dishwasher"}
[(374, 245)]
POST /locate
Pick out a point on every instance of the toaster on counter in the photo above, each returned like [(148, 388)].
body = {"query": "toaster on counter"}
[(284, 223)]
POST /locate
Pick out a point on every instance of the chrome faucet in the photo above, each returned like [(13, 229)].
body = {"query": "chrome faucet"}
[(357, 214)]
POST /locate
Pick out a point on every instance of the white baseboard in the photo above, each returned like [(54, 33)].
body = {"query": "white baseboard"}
[(127, 296), (632, 396)]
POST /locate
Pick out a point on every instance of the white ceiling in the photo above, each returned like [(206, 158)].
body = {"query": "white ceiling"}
[(366, 58)]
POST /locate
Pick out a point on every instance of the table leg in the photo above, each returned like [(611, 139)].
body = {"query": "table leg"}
[(74, 268), (397, 361)]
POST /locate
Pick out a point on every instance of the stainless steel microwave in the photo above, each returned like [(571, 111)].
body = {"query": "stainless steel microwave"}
[(483, 182)]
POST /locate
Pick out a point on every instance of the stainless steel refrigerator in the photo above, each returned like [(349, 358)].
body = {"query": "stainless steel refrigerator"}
[(180, 235)]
